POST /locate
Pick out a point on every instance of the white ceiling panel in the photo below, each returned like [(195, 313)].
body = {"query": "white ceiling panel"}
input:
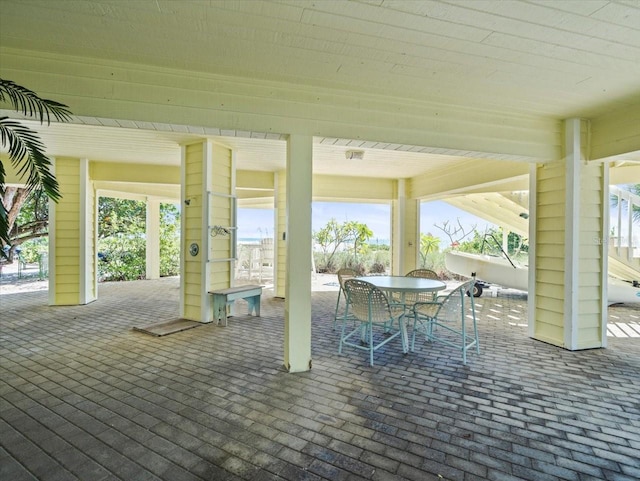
[(557, 58)]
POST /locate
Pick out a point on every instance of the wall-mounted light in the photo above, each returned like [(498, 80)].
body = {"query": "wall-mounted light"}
[(187, 202), (524, 215)]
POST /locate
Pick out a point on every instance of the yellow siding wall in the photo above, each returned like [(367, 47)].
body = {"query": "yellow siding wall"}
[(210, 165), (281, 227), (91, 249), (592, 253), (553, 308), (192, 219), (550, 254), (220, 213), (66, 230)]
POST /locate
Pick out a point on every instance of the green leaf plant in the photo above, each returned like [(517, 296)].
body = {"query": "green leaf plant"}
[(26, 150)]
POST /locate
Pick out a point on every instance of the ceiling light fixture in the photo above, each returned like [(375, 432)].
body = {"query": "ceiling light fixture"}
[(354, 154)]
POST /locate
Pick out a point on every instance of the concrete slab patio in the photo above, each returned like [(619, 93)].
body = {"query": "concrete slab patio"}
[(84, 396)]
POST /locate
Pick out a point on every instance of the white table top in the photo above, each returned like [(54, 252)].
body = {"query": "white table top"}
[(404, 284)]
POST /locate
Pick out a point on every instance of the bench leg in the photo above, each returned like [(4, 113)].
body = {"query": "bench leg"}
[(254, 305), (220, 308)]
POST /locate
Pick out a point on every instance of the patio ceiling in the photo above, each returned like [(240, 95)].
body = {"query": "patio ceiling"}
[(557, 59), (543, 59), (109, 140)]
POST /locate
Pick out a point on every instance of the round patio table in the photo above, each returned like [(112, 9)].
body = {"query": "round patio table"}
[(402, 285)]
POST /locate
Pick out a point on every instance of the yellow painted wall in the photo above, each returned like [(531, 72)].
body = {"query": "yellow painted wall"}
[(220, 213), (207, 171), (557, 319), (593, 205), (281, 228), (66, 231), (192, 231), (549, 288)]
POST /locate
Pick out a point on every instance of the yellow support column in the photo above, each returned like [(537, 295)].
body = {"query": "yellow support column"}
[(405, 235), (297, 332), (207, 202), (72, 235), (568, 258), (152, 270), (280, 261)]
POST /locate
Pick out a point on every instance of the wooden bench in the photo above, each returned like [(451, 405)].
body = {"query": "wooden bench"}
[(225, 297)]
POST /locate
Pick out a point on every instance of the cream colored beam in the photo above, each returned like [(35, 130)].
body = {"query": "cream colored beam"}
[(255, 180), (127, 91), (332, 188), (134, 173), (624, 174), (616, 133), (165, 193), (335, 188), (472, 175)]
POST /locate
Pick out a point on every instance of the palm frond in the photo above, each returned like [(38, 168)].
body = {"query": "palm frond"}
[(27, 102), (27, 155)]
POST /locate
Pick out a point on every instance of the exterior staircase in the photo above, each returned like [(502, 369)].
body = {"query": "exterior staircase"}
[(624, 246), (510, 210)]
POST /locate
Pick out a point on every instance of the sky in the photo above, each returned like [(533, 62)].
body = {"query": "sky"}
[(258, 223)]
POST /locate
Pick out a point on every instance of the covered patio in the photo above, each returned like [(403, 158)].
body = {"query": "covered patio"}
[(84, 396)]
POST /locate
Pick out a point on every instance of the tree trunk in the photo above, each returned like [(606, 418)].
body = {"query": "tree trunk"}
[(13, 199)]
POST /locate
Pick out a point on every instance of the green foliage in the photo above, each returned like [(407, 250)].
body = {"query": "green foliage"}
[(122, 242), (120, 216), (334, 238), (169, 240), (25, 149), (33, 249), (428, 243), (490, 242), (124, 257)]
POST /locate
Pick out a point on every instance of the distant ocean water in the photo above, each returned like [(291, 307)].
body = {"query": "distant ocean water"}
[(256, 240)]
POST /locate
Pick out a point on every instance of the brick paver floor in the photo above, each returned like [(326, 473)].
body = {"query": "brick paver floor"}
[(83, 396)]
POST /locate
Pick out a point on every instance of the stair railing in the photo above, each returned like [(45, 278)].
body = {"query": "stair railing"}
[(627, 203)]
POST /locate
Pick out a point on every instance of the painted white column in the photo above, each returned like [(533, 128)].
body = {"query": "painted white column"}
[(297, 333), (153, 240), (573, 160), (88, 237)]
